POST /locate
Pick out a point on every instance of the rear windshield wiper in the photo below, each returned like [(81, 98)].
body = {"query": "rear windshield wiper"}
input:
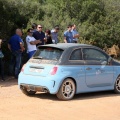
[(37, 57)]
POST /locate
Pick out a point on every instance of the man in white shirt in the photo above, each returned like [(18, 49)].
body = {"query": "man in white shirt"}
[(31, 43)]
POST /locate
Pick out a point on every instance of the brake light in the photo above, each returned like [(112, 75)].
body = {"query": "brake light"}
[(53, 71), (22, 70)]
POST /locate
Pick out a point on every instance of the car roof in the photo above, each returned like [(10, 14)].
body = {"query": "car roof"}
[(66, 45)]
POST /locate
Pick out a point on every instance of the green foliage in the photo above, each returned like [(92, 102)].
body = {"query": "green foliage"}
[(98, 21)]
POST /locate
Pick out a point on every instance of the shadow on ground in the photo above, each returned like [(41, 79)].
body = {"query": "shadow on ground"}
[(83, 96), (9, 81)]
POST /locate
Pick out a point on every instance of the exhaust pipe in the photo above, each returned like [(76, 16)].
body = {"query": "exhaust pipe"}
[(45, 90), (22, 87)]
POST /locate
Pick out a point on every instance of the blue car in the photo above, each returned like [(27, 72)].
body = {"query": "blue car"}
[(66, 69)]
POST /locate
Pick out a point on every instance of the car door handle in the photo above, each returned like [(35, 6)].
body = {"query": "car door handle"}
[(88, 68)]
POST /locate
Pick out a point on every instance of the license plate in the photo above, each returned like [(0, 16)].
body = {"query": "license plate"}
[(35, 70)]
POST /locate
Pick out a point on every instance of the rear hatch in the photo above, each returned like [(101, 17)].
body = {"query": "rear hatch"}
[(43, 61)]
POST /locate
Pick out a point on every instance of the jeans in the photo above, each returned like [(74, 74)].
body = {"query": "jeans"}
[(15, 63), (30, 54), (2, 68)]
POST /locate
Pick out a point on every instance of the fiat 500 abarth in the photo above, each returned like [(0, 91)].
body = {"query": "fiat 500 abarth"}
[(66, 69)]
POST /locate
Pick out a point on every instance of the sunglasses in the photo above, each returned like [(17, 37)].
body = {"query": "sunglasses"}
[(39, 27)]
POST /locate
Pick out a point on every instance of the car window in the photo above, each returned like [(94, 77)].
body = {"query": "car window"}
[(76, 55), (93, 54), (48, 53)]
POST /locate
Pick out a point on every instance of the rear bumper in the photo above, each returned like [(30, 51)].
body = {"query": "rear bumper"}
[(37, 88), (49, 84)]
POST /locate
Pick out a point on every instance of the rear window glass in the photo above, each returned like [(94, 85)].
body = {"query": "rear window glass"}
[(48, 53)]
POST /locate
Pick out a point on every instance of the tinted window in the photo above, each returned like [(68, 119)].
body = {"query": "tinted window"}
[(76, 55), (48, 53), (93, 54)]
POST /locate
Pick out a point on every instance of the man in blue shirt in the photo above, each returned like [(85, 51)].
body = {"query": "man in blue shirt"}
[(68, 36), (16, 47), (75, 33), (39, 35), (54, 34)]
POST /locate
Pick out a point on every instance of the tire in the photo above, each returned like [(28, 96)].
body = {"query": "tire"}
[(117, 85), (67, 90), (28, 93)]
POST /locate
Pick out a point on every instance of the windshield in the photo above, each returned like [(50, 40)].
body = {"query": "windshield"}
[(48, 53)]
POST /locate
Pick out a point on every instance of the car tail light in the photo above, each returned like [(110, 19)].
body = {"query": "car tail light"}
[(22, 70), (54, 70)]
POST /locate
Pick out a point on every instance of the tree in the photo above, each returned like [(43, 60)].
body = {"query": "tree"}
[(98, 21)]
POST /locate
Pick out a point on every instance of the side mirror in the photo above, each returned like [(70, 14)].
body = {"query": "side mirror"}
[(104, 63), (109, 60)]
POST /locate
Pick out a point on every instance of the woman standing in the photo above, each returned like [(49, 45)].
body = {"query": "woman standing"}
[(1, 62), (48, 36)]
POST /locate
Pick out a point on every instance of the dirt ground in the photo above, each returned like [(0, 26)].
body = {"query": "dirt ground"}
[(14, 105)]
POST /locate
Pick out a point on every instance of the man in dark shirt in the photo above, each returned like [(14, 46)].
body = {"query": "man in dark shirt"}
[(16, 47), (39, 35)]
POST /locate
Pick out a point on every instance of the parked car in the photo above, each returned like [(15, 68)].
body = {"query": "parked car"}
[(66, 69)]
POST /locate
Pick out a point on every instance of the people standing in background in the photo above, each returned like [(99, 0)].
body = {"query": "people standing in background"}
[(34, 26), (31, 43), (1, 62), (68, 36), (48, 36), (16, 47), (75, 33), (39, 35), (54, 34)]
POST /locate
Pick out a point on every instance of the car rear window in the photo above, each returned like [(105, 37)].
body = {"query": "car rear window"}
[(48, 53)]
